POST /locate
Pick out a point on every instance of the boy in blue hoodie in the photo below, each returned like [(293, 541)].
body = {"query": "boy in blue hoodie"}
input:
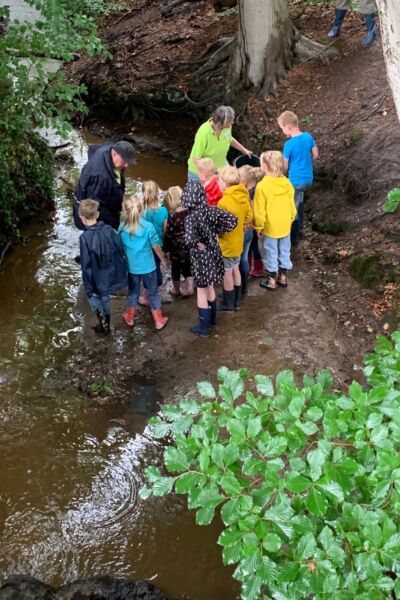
[(102, 262)]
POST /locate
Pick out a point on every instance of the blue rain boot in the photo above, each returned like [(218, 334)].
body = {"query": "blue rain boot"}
[(204, 322), (371, 30), (340, 14)]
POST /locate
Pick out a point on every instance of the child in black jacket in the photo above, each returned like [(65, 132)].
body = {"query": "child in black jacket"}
[(102, 262)]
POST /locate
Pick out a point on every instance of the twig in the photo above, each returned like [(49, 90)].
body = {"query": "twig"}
[(5, 249)]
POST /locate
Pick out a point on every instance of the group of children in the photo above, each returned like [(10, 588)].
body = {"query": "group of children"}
[(212, 231)]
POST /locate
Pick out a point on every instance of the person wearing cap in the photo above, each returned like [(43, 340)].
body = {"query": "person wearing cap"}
[(102, 179), (367, 8)]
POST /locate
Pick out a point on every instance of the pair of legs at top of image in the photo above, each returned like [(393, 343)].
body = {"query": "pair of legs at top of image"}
[(367, 8)]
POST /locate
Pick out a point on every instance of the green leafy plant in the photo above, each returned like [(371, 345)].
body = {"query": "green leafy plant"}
[(33, 95), (100, 387), (306, 478), (392, 201)]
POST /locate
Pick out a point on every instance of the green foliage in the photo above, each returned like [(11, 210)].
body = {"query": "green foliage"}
[(26, 182), (392, 201), (100, 387), (34, 95), (305, 478)]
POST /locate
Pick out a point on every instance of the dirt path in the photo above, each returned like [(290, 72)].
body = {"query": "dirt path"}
[(287, 329)]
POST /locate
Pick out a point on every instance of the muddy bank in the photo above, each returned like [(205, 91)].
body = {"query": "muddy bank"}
[(22, 587)]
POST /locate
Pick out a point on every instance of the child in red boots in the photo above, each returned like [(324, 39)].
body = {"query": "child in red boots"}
[(140, 242)]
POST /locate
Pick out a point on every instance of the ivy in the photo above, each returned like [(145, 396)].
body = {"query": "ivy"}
[(306, 479)]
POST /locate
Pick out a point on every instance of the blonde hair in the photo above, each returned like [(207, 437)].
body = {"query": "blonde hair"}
[(150, 193), (259, 173), (89, 209), (173, 197), (206, 165), (247, 176), (288, 118), (132, 211), (229, 175), (273, 162)]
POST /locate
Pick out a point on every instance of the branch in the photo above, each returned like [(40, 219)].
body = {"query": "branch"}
[(5, 250)]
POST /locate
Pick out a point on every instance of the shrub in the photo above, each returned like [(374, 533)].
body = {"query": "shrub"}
[(306, 478)]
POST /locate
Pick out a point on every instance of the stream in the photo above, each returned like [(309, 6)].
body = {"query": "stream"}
[(70, 473)]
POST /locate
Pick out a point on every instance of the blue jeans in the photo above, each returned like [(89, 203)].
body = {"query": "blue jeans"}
[(158, 271), (297, 225), (276, 253), (150, 282), (244, 258), (101, 303)]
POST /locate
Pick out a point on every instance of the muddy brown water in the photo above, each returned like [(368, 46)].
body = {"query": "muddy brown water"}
[(70, 474)]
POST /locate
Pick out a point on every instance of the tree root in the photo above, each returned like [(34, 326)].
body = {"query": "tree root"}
[(167, 10), (222, 54), (307, 50)]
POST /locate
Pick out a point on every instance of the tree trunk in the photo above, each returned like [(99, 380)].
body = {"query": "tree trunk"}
[(390, 30), (265, 44)]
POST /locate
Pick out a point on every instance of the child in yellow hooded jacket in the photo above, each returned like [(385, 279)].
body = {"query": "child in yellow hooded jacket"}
[(235, 200), (274, 213)]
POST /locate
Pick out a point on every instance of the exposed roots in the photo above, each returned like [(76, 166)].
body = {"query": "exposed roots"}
[(306, 50)]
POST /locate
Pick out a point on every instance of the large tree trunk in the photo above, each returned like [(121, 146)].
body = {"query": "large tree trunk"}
[(265, 44), (390, 29)]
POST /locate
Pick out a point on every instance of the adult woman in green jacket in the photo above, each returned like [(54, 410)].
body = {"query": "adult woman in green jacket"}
[(213, 140)]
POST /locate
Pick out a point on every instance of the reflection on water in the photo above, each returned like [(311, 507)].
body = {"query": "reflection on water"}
[(70, 473)]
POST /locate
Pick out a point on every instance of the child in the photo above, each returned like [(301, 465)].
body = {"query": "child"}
[(299, 152), (235, 200), (140, 242), (102, 262), (255, 258), (206, 171), (202, 226), (174, 243), (274, 213), (157, 215), (248, 178)]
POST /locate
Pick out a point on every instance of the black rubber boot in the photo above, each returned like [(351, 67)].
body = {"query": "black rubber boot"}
[(100, 327), (204, 322), (245, 281), (107, 327), (238, 296), (228, 301), (213, 312)]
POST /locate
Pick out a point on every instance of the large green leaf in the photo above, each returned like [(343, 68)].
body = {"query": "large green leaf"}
[(316, 503), (206, 390), (298, 484), (175, 460), (306, 546), (264, 385), (230, 485)]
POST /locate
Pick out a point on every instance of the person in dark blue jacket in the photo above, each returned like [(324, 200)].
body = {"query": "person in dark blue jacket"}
[(102, 262), (102, 179)]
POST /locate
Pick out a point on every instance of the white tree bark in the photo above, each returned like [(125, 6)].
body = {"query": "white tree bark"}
[(265, 43), (390, 29)]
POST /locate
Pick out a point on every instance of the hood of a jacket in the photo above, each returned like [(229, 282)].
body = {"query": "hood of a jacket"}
[(193, 195), (238, 193), (99, 244), (278, 186)]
